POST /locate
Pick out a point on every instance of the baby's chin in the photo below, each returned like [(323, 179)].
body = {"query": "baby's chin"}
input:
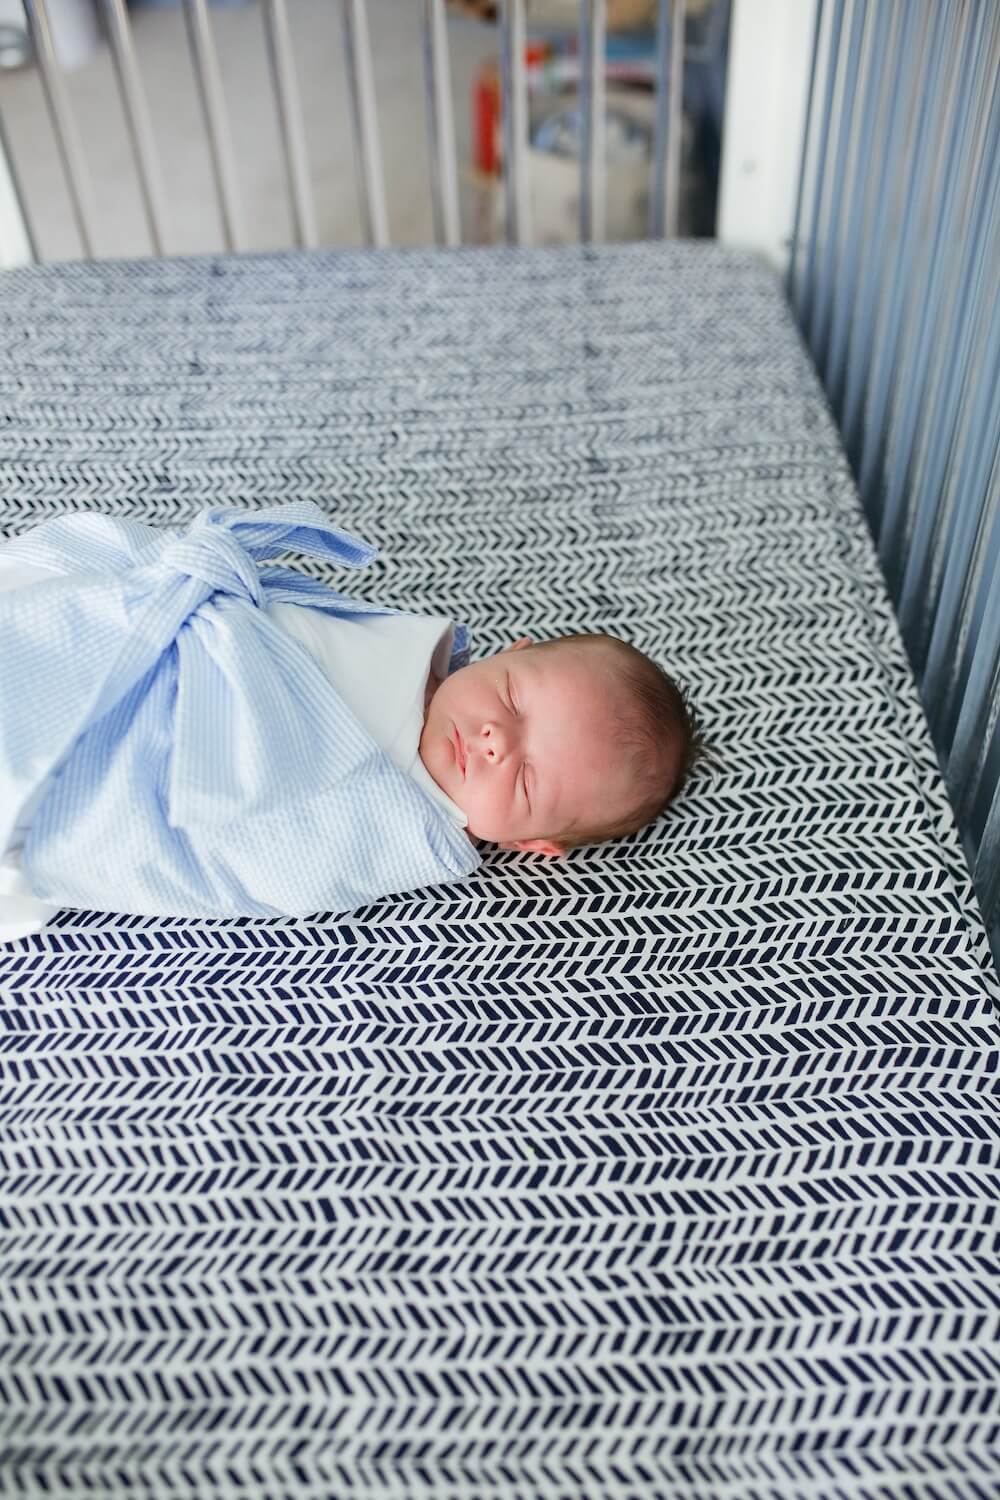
[(436, 757)]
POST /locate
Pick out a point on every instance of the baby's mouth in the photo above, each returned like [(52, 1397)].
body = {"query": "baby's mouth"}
[(460, 756)]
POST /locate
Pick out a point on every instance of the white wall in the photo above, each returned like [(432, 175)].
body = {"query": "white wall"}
[(14, 249), (770, 49), (13, 240)]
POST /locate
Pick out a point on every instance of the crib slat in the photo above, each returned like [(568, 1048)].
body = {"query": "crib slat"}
[(441, 125), (209, 81), (871, 139), (848, 114), (824, 120), (664, 196), (978, 724), (880, 243), (986, 873), (936, 486), (514, 105), (293, 136), (938, 253), (965, 540), (64, 124), (793, 281), (928, 378), (140, 126), (910, 243), (593, 166), (941, 554), (361, 83)]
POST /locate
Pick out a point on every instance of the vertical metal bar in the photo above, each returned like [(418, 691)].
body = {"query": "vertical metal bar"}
[(807, 128), (909, 245), (7, 159), (939, 555), (293, 136), (675, 128), (64, 125), (514, 106), (658, 179), (946, 244), (593, 166), (846, 124), (871, 128), (968, 749), (986, 874), (664, 194), (943, 670), (209, 80), (832, 62), (976, 276), (140, 127), (361, 82), (888, 183), (441, 125)]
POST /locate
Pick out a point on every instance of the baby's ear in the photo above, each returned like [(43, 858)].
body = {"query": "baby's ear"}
[(518, 645), (537, 846)]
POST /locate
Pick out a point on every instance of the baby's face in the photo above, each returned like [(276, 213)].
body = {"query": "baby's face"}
[(525, 743)]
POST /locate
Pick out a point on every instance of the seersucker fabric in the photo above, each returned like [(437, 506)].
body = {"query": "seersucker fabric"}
[(183, 754)]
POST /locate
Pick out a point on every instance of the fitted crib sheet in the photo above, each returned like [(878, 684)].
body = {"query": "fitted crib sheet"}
[(668, 1170)]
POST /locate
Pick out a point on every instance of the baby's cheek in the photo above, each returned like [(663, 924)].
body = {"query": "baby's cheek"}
[(488, 820)]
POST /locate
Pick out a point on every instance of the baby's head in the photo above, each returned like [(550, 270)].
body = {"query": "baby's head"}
[(557, 743)]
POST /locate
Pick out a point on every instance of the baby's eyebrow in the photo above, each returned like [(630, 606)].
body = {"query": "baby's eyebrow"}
[(511, 693), (523, 665)]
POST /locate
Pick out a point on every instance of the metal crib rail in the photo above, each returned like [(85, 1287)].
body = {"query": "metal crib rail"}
[(894, 277)]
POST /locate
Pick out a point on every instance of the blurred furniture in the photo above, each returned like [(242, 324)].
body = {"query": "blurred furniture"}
[(662, 215)]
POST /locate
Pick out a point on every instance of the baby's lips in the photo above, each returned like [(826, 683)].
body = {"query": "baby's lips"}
[(461, 757)]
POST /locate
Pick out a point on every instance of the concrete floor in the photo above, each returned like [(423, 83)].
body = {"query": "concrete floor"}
[(194, 222)]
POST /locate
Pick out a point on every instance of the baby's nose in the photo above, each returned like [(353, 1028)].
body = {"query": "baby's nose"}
[(493, 743)]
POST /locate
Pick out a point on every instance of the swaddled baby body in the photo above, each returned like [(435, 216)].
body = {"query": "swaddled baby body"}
[(539, 748)]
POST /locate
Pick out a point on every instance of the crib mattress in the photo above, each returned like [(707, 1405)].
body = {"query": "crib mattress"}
[(668, 1170)]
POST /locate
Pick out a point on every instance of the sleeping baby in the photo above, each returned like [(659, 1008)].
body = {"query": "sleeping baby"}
[(187, 730)]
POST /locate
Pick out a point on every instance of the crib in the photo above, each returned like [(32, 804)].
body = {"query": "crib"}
[(667, 1170)]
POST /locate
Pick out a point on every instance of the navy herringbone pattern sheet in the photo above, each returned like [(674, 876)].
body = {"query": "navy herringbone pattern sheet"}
[(667, 1171)]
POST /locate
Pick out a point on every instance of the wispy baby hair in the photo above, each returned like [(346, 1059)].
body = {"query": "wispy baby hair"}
[(663, 736)]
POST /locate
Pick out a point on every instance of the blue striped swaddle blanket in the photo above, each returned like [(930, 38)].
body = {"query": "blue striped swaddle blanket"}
[(183, 756)]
